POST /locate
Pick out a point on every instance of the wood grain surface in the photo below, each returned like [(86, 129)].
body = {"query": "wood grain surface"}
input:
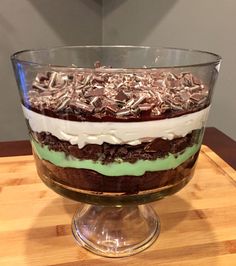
[(198, 224)]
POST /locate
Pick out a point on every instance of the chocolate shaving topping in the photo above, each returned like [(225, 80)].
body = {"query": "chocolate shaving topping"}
[(138, 101), (84, 107), (120, 95), (96, 102), (112, 108), (94, 92), (130, 102), (145, 107), (123, 112)]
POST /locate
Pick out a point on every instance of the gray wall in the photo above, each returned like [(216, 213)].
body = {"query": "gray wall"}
[(202, 24), (207, 25), (38, 24)]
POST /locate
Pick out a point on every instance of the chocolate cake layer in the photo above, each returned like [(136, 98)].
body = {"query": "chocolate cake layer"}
[(101, 94), (107, 153), (92, 181)]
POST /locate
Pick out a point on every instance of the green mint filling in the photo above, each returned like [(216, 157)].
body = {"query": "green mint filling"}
[(116, 168)]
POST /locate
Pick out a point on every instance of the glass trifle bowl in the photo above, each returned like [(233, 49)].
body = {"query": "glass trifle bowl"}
[(115, 127)]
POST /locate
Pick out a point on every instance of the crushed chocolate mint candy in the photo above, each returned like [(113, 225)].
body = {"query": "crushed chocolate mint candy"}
[(96, 102), (111, 108), (123, 112), (145, 107), (117, 94), (121, 96), (138, 101)]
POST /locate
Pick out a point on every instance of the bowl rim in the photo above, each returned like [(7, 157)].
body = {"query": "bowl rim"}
[(216, 59)]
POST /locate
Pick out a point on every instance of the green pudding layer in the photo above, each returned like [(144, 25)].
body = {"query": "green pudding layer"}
[(116, 168)]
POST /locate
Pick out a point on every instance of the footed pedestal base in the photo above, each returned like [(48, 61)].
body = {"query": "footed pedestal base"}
[(115, 231)]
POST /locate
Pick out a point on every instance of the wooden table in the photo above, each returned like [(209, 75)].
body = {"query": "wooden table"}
[(198, 223)]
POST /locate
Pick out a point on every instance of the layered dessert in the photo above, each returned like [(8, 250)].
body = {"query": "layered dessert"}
[(107, 130)]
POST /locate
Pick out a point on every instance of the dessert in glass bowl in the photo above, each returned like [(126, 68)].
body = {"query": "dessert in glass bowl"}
[(115, 127)]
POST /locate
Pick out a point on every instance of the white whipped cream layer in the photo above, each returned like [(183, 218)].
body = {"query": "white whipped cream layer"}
[(132, 133)]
